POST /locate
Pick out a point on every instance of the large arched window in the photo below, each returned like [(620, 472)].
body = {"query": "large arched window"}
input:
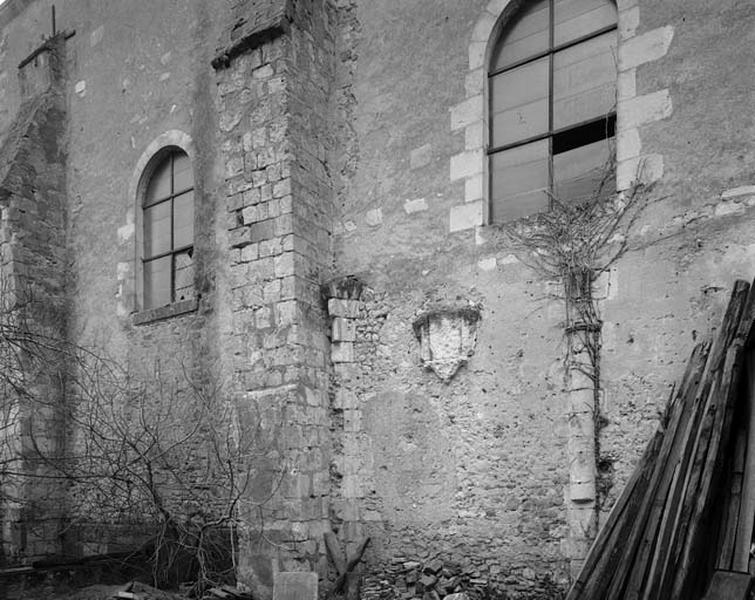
[(168, 231), (551, 91)]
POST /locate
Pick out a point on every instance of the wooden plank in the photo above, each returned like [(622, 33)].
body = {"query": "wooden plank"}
[(724, 402), (352, 562), (664, 535), (601, 546), (733, 504), (336, 554), (681, 504), (747, 511), (729, 586), (604, 555), (682, 465), (607, 561), (674, 492), (655, 502), (674, 439), (679, 551)]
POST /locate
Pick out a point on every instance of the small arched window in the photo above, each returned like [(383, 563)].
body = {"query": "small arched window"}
[(168, 231), (552, 99)]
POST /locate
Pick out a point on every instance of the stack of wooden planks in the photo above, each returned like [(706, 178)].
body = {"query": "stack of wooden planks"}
[(688, 508)]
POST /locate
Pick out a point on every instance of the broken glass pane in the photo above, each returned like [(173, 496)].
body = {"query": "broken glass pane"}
[(577, 173), (184, 275)]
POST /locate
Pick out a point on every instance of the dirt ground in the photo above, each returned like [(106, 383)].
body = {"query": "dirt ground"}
[(92, 592)]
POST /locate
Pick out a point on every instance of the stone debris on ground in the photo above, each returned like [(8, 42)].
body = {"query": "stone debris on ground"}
[(135, 590), (430, 580)]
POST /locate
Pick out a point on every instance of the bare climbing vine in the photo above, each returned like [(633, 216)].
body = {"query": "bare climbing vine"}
[(573, 244)]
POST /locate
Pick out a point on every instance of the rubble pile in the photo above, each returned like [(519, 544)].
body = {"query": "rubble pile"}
[(430, 580)]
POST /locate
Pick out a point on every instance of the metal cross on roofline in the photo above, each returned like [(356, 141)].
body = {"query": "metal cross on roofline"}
[(46, 44)]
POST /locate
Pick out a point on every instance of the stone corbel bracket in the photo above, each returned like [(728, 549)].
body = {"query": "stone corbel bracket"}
[(344, 297), (447, 338)]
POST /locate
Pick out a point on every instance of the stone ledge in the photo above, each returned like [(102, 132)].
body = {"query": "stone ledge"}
[(260, 34), (160, 313)]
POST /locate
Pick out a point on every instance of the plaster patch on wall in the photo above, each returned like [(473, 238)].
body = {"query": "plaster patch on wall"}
[(374, 217), (125, 232), (487, 264), (96, 36), (414, 206)]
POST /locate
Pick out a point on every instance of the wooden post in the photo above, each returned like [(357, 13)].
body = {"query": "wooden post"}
[(747, 506)]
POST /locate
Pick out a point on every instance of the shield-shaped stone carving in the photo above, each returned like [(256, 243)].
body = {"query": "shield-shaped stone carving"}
[(447, 338)]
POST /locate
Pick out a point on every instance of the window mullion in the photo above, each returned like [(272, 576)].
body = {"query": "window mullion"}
[(172, 233), (551, 40)]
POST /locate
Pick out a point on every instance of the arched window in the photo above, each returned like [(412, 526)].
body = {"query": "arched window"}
[(551, 91), (168, 231)]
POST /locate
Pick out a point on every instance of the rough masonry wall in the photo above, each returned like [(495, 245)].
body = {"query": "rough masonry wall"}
[(289, 146), (486, 488), (135, 73), (35, 314), (272, 103)]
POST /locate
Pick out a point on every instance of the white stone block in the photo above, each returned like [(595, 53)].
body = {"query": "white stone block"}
[(414, 206), (466, 164), (646, 168), (343, 308), (629, 20), (343, 330), (496, 6), (479, 235), (644, 109), (467, 112), (729, 208), (419, 157), (473, 188), (341, 352), (122, 270), (626, 4), (474, 82), (477, 55), (487, 264), (466, 216), (628, 144), (744, 190), (374, 217), (126, 232), (484, 27), (645, 48), (626, 84), (473, 136)]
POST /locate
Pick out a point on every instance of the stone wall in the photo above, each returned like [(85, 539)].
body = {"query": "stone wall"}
[(339, 166), (488, 485), (272, 102), (34, 311)]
